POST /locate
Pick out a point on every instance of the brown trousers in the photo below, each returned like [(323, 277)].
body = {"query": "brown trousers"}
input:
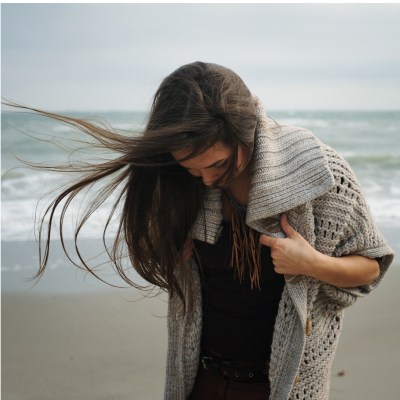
[(212, 387)]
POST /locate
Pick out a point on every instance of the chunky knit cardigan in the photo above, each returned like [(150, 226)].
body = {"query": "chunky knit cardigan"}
[(297, 174)]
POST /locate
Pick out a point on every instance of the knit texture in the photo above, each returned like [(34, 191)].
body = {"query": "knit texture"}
[(294, 173)]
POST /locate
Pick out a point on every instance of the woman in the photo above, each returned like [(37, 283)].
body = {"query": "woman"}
[(257, 230)]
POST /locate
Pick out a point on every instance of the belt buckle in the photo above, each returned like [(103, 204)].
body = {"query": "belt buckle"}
[(206, 360)]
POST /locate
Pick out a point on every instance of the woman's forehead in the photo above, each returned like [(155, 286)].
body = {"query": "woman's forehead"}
[(216, 152)]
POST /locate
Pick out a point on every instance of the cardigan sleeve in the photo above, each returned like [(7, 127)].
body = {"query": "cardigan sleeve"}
[(363, 237), (359, 234), (347, 220)]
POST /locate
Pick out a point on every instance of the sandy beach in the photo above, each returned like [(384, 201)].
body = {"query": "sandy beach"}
[(97, 346), (71, 337), (103, 344)]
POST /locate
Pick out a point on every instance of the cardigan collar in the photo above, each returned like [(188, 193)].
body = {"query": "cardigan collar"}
[(290, 169)]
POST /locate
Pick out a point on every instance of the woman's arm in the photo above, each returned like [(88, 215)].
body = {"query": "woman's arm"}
[(346, 271), (295, 256)]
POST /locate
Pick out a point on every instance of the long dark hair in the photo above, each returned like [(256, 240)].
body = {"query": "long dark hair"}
[(196, 106)]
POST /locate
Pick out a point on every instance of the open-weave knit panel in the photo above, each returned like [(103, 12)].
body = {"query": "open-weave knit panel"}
[(344, 224), (318, 355), (318, 351)]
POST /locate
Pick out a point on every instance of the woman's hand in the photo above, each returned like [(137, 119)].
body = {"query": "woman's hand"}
[(295, 256), (292, 255)]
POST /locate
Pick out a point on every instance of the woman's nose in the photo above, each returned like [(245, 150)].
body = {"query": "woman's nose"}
[(195, 172), (206, 176)]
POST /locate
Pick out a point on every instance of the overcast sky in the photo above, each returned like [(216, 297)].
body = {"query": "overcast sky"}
[(112, 57)]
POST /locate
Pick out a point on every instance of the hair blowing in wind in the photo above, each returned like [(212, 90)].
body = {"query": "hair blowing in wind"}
[(194, 107)]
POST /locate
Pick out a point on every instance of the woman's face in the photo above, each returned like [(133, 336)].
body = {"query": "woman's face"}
[(212, 163)]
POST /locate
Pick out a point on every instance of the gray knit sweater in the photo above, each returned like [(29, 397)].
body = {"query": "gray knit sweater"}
[(294, 173)]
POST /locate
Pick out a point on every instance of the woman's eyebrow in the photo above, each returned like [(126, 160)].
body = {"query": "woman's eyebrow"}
[(210, 166), (217, 162)]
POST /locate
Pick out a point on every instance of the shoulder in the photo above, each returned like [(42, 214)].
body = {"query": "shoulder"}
[(347, 189)]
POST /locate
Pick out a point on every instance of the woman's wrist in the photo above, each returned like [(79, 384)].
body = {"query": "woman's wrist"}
[(323, 268)]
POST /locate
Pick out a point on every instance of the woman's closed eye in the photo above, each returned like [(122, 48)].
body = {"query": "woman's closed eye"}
[(220, 166)]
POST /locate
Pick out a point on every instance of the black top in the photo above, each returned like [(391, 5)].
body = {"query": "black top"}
[(238, 321)]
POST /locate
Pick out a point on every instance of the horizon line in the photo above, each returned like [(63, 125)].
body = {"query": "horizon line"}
[(61, 111)]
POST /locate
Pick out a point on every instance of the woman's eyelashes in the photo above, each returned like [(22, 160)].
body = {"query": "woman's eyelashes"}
[(221, 165)]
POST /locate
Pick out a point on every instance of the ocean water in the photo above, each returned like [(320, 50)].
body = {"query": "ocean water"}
[(25, 191), (368, 140)]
